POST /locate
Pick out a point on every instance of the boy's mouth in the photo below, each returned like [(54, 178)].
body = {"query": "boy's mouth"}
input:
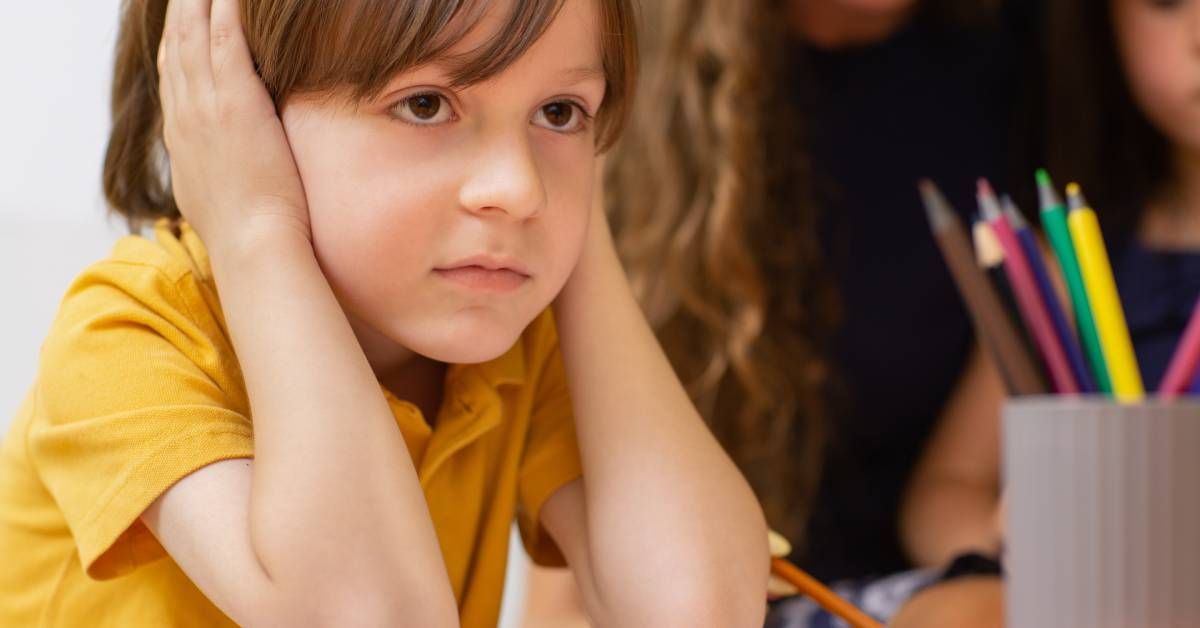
[(485, 273)]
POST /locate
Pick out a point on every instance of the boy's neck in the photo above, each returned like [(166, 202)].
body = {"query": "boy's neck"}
[(1173, 220), (421, 382), (406, 374)]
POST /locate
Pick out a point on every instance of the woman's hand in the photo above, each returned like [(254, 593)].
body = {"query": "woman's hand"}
[(777, 587), (232, 170)]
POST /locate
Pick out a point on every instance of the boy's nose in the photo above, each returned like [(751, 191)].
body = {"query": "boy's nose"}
[(504, 180)]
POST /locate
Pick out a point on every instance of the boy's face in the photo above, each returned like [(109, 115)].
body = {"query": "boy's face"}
[(1159, 44), (446, 219)]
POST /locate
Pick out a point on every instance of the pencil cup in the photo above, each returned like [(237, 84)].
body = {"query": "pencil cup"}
[(1103, 513)]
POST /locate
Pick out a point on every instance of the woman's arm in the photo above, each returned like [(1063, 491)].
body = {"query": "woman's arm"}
[(663, 530), (328, 525), (952, 504)]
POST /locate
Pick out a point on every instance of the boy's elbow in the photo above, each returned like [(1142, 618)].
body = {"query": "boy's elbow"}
[(736, 605), (394, 608), (728, 597), (370, 615), (727, 585), (361, 608)]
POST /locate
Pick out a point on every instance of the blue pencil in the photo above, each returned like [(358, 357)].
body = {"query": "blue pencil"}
[(1037, 264)]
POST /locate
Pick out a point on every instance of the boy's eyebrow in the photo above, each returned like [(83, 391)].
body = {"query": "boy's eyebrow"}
[(572, 76), (583, 73)]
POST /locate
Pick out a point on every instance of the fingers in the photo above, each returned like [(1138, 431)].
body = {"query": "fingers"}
[(192, 34), (779, 547), (778, 544), (778, 587), (230, 52), (184, 61), (169, 72)]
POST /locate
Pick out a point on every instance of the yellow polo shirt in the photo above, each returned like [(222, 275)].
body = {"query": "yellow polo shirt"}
[(138, 385)]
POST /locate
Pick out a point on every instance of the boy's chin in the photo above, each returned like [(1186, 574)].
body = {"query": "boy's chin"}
[(472, 343)]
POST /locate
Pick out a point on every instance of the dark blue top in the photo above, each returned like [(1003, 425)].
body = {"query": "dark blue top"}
[(1158, 292), (932, 101)]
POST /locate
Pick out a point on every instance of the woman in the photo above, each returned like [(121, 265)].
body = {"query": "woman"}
[(765, 203)]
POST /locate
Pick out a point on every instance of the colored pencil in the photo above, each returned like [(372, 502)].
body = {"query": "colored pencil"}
[(1182, 369), (1054, 221), (819, 593), (1033, 310), (1066, 336), (1102, 295), (989, 255), (996, 331)]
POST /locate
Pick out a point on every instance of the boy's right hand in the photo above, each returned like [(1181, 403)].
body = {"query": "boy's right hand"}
[(232, 171)]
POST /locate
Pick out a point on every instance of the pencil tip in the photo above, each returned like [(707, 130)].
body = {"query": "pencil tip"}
[(1043, 178), (1075, 196), (985, 188), (1012, 212), (937, 208), (1047, 197), (988, 205)]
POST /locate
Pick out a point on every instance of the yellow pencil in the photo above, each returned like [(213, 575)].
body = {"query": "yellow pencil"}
[(1102, 294)]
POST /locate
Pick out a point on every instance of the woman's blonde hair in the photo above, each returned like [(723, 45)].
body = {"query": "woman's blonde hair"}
[(719, 245), (329, 46), (709, 192)]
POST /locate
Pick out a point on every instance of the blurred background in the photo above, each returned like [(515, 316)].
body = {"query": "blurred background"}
[(55, 64)]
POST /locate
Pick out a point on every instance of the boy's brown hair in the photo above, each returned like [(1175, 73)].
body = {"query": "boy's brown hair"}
[(329, 46)]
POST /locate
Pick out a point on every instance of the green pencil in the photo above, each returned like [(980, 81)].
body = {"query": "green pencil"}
[(1054, 220)]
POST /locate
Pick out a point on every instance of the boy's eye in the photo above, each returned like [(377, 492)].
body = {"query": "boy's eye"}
[(560, 116), (424, 109)]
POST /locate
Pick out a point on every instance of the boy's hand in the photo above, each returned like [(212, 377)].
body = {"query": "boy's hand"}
[(232, 170)]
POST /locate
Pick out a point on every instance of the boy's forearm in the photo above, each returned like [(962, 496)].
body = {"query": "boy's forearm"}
[(335, 495), (664, 502)]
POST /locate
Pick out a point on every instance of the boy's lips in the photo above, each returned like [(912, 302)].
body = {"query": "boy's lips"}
[(486, 273)]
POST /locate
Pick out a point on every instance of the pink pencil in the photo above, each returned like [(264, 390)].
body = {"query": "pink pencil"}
[(1025, 288), (1187, 356)]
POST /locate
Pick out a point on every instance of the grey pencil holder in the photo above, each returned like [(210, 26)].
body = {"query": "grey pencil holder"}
[(1103, 513)]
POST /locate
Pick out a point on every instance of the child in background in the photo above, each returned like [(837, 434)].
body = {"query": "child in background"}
[(324, 398), (1122, 117), (1132, 140)]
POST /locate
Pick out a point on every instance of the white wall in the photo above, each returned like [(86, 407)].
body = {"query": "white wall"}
[(55, 66), (54, 73)]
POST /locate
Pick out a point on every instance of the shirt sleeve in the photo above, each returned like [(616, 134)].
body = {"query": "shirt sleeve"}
[(551, 458), (137, 387)]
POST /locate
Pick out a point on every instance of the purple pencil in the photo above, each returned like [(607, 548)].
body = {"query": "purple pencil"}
[(1066, 336), (1033, 311)]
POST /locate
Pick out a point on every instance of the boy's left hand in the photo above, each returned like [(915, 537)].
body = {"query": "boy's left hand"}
[(232, 168)]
